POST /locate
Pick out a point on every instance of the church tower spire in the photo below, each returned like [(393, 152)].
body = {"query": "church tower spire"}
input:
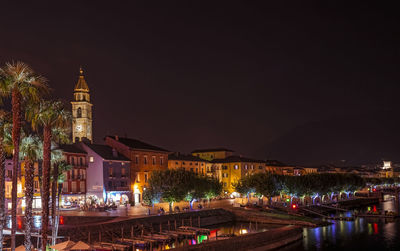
[(81, 110)]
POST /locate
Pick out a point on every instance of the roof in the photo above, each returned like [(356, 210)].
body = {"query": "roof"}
[(81, 85), (137, 144), (235, 158), (107, 152), (177, 156), (273, 162), (72, 148), (212, 150)]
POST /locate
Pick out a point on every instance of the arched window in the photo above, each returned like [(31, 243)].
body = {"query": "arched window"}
[(79, 113)]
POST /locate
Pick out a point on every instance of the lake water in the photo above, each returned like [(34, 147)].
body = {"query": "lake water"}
[(365, 234)]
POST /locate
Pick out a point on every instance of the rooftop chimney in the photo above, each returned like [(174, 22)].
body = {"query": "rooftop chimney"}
[(114, 153)]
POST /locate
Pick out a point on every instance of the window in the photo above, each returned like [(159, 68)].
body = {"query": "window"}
[(224, 167), (196, 164), (224, 175), (123, 172), (79, 113), (251, 167), (136, 159), (145, 177), (65, 187), (82, 185), (123, 184), (72, 160), (110, 171), (145, 160), (260, 167), (36, 184), (191, 169), (82, 161), (176, 163), (73, 185), (225, 185), (137, 178), (153, 160), (161, 160), (197, 170), (91, 159), (110, 184), (236, 167), (183, 162), (190, 163), (245, 167), (212, 156)]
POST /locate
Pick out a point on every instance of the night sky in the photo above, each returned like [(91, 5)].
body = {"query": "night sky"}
[(305, 84)]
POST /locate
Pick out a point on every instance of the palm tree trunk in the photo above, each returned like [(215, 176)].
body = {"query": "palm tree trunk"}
[(54, 189), (2, 191), (16, 135), (29, 170), (46, 183)]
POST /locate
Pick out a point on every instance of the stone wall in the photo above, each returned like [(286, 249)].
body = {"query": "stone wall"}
[(123, 226), (268, 240)]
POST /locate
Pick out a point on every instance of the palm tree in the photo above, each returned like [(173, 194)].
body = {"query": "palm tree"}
[(5, 148), (30, 151), (48, 115), (61, 136), (19, 81)]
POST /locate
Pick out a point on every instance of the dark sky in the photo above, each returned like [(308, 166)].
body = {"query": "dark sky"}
[(303, 83)]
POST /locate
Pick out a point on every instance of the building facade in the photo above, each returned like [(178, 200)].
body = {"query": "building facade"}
[(231, 169), (108, 174), (74, 185), (212, 153), (144, 158), (188, 163)]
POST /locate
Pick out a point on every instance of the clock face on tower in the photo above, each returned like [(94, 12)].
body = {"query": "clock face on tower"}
[(79, 128)]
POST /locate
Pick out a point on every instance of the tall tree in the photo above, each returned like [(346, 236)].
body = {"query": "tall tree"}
[(47, 115), (20, 82), (5, 148), (61, 136), (30, 152)]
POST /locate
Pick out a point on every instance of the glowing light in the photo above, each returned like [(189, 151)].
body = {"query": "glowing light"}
[(61, 220), (294, 206), (243, 231)]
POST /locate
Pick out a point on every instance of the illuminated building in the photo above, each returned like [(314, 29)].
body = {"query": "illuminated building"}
[(108, 174), (231, 169), (144, 158), (212, 153), (81, 111), (188, 163), (74, 185)]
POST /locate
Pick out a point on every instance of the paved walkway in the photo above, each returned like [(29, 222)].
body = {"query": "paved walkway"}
[(140, 211)]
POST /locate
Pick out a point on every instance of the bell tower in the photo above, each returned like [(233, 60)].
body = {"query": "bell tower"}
[(81, 111)]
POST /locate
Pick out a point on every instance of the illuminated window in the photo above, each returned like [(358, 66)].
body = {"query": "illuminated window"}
[(123, 172), (110, 171), (91, 159), (236, 167), (245, 167)]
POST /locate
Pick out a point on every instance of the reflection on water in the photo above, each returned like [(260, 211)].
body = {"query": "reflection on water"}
[(361, 234), (37, 223)]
